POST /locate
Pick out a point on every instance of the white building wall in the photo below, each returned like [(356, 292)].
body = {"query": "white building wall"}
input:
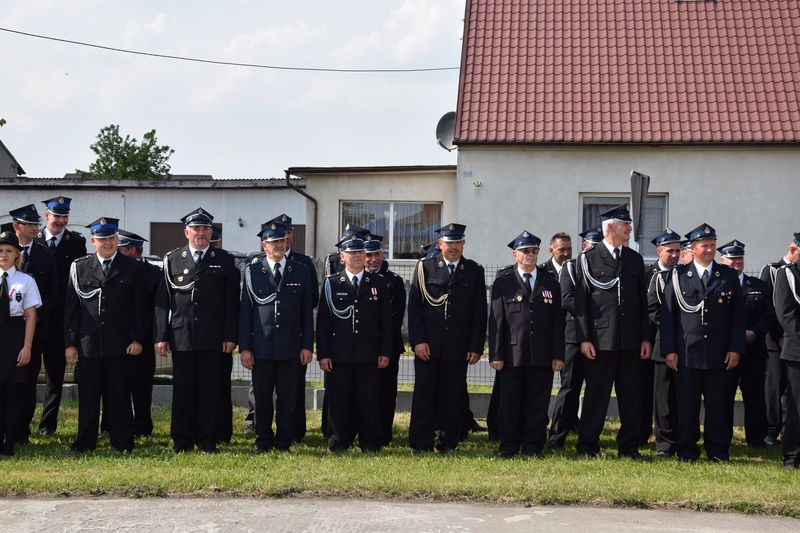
[(745, 193), (137, 207)]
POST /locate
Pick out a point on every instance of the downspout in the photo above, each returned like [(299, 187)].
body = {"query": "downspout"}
[(316, 208)]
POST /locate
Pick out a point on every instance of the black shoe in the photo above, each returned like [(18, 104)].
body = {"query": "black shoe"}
[(664, 454), (47, 432), (180, 448), (475, 427), (421, 451), (209, 449), (444, 449), (261, 449), (22, 441), (505, 454), (77, 449), (554, 445), (769, 440), (633, 456)]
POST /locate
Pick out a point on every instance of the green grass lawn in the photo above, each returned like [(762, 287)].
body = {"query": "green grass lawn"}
[(754, 483)]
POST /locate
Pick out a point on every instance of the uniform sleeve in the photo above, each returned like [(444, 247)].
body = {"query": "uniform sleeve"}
[(161, 310), (668, 317), (416, 311), (323, 333), (775, 330), (787, 309), (310, 301), (558, 325), (72, 310), (386, 331), (232, 279), (246, 311), (140, 297), (581, 303), (31, 298), (644, 317), (738, 341), (479, 314), (653, 304), (49, 287), (766, 316), (398, 311), (314, 284), (567, 287), (497, 324)]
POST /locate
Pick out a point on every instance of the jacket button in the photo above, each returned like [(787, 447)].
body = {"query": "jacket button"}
[(356, 331), (705, 336), (277, 325)]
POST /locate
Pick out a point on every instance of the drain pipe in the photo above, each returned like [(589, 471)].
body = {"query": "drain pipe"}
[(316, 208)]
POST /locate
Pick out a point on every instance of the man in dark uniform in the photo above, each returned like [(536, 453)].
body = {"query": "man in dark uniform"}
[(354, 340), (103, 316), (658, 383), (787, 309), (702, 339), (196, 316), (686, 253), (447, 327), (67, 246), (216, 238), (749, 373), (526, 345), (333, 263), (775, 381), (142, 368), (560, 252), (276, 336), (376, 264), (40, 263), (613, 331), (565, 408)]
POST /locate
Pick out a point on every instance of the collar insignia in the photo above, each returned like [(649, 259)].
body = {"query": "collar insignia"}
[(689, 273), (213, 253), (183, 254)]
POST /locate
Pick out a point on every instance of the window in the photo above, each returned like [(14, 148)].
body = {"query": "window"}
[(405, 226), (655, 216)]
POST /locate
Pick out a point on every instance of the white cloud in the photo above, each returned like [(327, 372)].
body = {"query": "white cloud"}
[(288, 36), (137, 31)]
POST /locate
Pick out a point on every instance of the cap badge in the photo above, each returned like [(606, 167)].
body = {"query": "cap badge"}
[(61, 200), (706, 230), (452, 227), (525, 234), (200, 211), (103, 221), (284, 218)]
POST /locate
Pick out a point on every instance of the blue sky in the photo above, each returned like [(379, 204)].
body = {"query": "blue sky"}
[(228, 121)]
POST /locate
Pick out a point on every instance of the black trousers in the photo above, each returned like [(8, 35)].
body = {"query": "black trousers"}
[(225, 415), (10, 403), (105, 377), (300, 413), (791, 437), (27, 393), (195, 398), (648, 380), (438, 400), (353, 396), (774, 393), (54, 365), (565, 410), (494, 406), (142, 369), (522, 414), (665, 406), (388, 398), (279, 377), (622, 369), (749, 377), (692, 384)]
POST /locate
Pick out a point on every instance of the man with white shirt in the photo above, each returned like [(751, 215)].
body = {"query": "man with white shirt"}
[(354, 342), (197, 319), (103, 326), (560, 252), (702, 339), (67, 246), (658, 381), (749, 374), (40, 263), (613, 333), (276, 336), (447, 329)]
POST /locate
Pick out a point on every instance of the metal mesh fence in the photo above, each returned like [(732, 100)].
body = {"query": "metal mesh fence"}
[(478, 374)]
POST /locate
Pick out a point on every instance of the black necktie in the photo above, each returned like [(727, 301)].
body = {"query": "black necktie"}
[(198, 256), (616, 254), (5, 301), (526, 277), (452, 268), (278, 273), (52, 243), (106, 266), (704, 278), (355, 283), (25, 257)]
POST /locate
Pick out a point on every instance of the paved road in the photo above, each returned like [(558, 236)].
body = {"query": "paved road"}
[(313, 514)]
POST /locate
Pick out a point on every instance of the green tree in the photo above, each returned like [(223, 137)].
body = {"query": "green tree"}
[(2, 122), (119, 158)]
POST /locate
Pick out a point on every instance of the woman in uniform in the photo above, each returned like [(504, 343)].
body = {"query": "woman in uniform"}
[(19, 298)]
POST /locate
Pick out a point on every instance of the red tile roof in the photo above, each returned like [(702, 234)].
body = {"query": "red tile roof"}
[(639, 71)]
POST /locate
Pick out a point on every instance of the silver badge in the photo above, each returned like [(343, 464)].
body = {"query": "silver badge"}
[(185, 270), (263, 270), (461, 266), (103, 221), (716, 273), (341, 279), (525, 234), (366, 278), (212, 254), (452, 227), (66, 236), (61, 200), (183, 254), (284, 218), (288, 269), (180, 279), (200, 211), (519, 298), (440, 264), (273, 226), (706, 230), (689, 273)]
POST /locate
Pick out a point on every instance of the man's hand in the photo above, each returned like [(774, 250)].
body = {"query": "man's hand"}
[(558, 365), (134, 348), (423, 351), (246, 358), (587, 349), (732, 360), (383, 361), (672, 361), (162, 348), (750, 336), (24, 357), (473, 357), (305, 357), (71, 354), (497, 365), (646, 350), (228, 347), (326, 365)]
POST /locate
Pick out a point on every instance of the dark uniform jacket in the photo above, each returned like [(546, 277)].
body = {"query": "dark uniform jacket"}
[(567, 283), (206, 316), (397, 292), (71, 247), (548, 267), (702, 340), (775, 333), (526, 331), (41, 265), (153, 278), (613, 319), (367, 333), (454, 328), (759, 314), (104, 325), (787, 309), (280, 329), (307, 262), (655, 294)]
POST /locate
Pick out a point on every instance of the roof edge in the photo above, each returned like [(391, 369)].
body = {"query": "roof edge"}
[(371, 170)]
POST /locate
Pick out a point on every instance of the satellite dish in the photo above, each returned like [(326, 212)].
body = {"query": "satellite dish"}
[(445, 130)]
